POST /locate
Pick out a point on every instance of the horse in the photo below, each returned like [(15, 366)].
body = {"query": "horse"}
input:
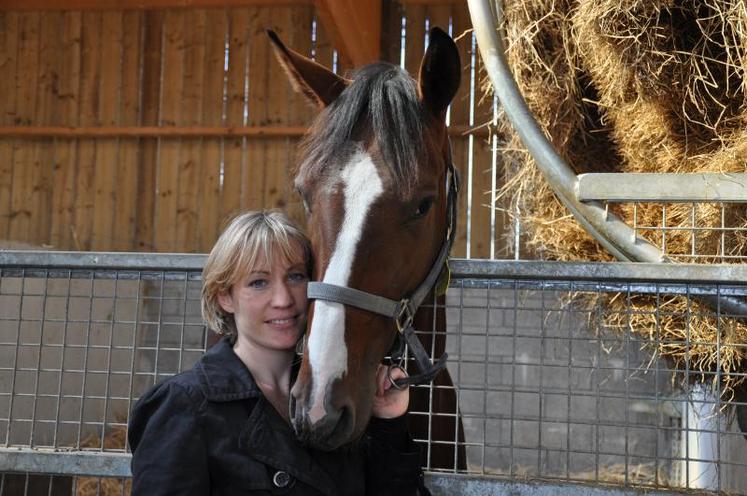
[(375, 177)]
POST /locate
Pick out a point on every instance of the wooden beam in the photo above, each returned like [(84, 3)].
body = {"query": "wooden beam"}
[(179, 131), (355, 28), (148, 131), (77, 5)]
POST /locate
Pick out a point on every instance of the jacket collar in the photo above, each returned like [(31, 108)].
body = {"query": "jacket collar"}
[(270, 439), (223, 376)]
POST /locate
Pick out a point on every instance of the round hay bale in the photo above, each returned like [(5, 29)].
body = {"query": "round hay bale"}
[(638, 86)]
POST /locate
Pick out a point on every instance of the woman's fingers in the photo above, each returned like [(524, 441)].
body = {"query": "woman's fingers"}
[(381, 380)]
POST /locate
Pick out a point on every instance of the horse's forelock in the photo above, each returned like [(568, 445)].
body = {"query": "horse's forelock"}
[(382, 105)]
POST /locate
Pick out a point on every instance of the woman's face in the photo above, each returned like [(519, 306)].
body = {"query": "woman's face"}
[(269, 304)]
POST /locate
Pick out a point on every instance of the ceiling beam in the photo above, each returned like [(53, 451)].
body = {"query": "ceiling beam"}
[(18, 5), (355, 28)]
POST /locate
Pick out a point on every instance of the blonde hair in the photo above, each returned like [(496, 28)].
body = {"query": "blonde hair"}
[(248, 238)]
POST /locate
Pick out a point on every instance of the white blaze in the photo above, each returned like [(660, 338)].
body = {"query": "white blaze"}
[(326, 348)]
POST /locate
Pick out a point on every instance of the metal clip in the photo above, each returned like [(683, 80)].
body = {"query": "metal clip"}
[(403, 316)]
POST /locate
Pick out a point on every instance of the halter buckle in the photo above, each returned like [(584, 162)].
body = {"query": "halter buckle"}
[(403, 316)]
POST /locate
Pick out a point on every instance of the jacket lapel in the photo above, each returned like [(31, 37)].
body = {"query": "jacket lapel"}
[(269, 439)]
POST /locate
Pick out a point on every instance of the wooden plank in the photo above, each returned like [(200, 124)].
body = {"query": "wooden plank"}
[(50, 55), (66, 150), (276, 110), (79, 5), (324, 50), (9, 34), (150, 131), (459, 115), (261, 65), (355, 27), (190, 157), (88, 110), (300, 111), (172, 88), (414, 38), (125, 213), (25, 153), (234, 149), (209, 221), (391, 31), (107, 150), (482, 172), (255, 132), (148, 160), (439, 15)]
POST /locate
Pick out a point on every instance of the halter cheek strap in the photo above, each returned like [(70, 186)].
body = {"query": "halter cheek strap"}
[(403, 311)]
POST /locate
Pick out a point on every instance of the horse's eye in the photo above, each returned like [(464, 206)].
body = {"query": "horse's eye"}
[(423, 207), (306, 205), (304, 200)]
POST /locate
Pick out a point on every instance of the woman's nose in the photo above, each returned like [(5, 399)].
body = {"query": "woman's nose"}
[(282, 296)]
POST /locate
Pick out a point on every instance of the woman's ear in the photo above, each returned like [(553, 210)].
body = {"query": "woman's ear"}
[(226, 302)]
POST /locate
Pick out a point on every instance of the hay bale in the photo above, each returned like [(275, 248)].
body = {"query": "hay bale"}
[(637, 86), (115, 439)]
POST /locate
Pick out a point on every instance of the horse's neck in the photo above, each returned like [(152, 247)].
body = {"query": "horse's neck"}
[(430, 323)]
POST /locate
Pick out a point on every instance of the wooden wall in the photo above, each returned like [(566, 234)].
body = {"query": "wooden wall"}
[(132, 83)]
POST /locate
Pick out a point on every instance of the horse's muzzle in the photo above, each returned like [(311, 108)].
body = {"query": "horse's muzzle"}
[(334, 429)]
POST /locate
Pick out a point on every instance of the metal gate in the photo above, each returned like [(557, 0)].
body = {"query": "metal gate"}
[(550, 388)]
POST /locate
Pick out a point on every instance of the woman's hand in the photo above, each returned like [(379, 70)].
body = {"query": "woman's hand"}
[(389, 402)]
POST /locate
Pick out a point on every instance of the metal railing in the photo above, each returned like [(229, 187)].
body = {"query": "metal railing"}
[(548, 386)]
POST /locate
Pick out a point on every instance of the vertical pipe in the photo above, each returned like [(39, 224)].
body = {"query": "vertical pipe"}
[(700, 442)]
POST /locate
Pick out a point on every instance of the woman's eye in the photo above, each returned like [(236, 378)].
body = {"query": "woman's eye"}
[(297, 277), (258, 283), (423, 207)]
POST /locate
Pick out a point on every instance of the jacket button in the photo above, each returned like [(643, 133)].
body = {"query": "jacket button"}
[(281, 479)]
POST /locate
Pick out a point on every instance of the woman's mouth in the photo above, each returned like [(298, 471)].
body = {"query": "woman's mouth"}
[(283, 322)]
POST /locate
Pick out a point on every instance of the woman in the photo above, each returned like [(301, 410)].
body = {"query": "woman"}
[(222, 427)]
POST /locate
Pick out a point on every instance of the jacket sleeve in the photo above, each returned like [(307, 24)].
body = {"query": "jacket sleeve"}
[(392, 459), (169, 456)]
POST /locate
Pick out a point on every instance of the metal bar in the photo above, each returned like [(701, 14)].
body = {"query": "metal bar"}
[(645, 187), (470, 485), (65, 462), (101, 260), (460, 268)]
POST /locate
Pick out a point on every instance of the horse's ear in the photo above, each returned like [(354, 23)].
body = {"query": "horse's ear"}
[(440, 72), (316, 82)]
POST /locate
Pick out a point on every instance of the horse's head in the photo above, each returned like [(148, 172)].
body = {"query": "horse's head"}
[(373, 177)]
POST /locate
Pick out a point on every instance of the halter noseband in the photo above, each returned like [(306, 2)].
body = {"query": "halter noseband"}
[(403, 311)]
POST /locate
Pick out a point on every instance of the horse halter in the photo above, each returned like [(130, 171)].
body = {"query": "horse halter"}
[(403, 311)]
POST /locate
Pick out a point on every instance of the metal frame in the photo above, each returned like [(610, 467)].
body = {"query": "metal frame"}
[(37, 274)]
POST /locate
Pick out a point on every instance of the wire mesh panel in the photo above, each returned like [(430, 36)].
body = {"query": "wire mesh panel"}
[(560, 371), (557, 378), (77, 348), (693, 232)]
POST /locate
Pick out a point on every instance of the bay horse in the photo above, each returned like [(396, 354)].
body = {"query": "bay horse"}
[(375, 175)]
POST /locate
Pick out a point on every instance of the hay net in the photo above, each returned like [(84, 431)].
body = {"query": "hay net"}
[(637, 86)]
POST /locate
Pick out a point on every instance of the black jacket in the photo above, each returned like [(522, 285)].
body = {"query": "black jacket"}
[(211, 431)]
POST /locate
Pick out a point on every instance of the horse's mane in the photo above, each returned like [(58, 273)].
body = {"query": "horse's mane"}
[(381, 104)]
